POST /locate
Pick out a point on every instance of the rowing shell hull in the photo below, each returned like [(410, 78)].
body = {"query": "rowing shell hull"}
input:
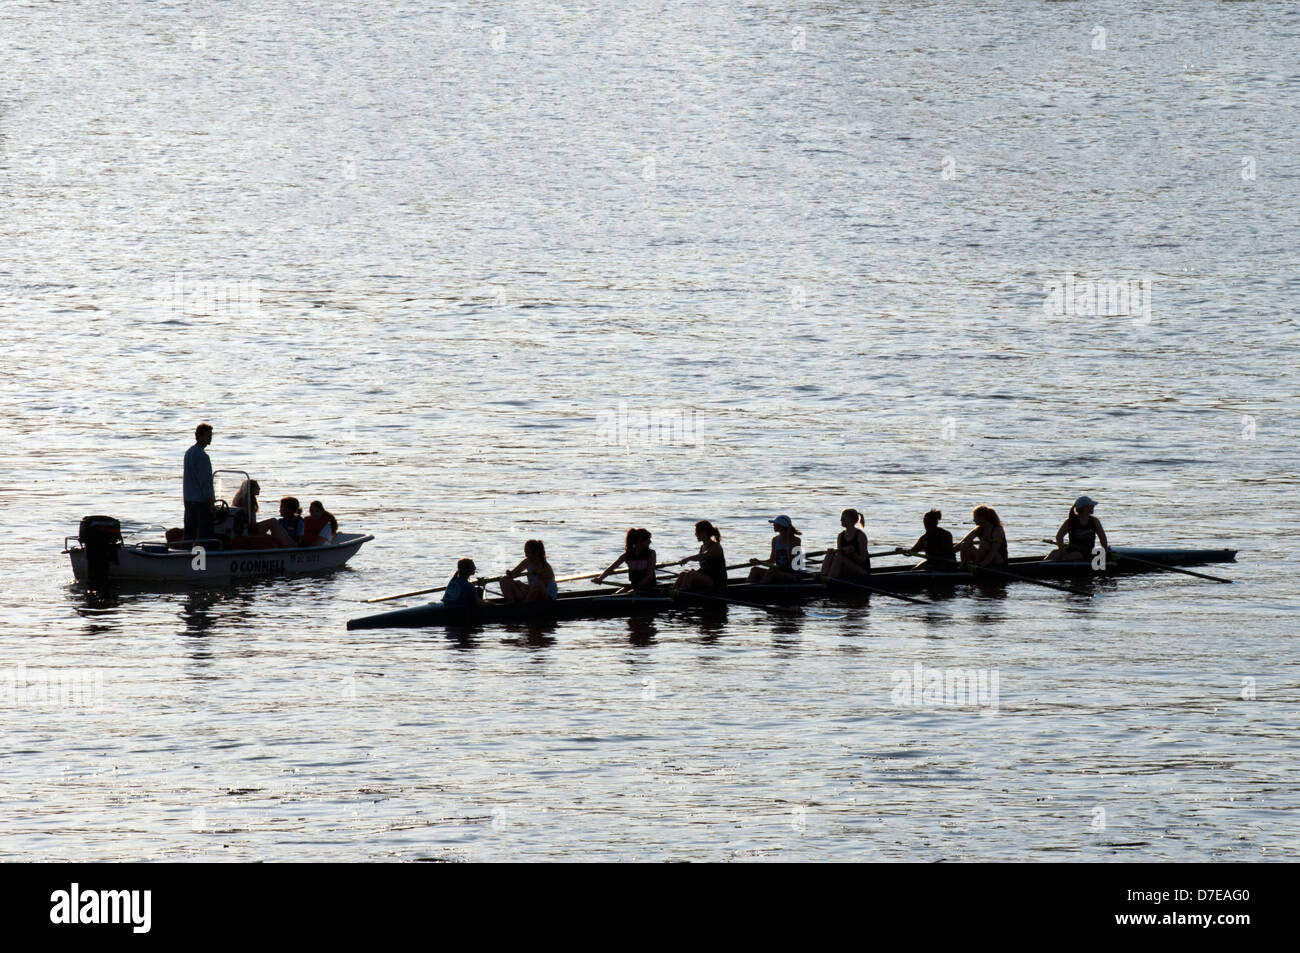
[(576, 605), (902, 579), (601, 604), (156, 563)]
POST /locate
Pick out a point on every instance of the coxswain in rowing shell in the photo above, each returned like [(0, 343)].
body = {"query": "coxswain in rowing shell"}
[(1084, 531), (850, 558), (780, 566), (935, 542), (986, 544), (640, 560), (712, 573), (541, 577), (460, 591)]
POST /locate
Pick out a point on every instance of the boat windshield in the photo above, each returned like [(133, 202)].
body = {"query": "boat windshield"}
[(228, 485)]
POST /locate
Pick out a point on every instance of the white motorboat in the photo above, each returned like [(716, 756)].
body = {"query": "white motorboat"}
[(99, 554)]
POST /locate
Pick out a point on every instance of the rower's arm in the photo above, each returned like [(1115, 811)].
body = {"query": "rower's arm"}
[(1101, 534), (612, 566), (511, 573), (1060, 534)]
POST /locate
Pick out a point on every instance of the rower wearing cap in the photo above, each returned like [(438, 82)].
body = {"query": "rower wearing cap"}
[(460, 591), (1084, 531), (986, 544), (786, 552)]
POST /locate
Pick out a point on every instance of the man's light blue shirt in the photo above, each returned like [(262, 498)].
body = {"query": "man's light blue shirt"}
[(198, 475)]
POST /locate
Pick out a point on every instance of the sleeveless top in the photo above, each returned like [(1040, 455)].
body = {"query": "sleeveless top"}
[(781, 553), (534, 575), (1002, 548), (1083, 538), (938, 548), (638, 570), (862, 550), (715, 567)]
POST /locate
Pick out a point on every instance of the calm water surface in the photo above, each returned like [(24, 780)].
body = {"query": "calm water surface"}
[(810, 247)]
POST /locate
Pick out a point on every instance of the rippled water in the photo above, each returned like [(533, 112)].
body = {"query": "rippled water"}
[(811, 246)]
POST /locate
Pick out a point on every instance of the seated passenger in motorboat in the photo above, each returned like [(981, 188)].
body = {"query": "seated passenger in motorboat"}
[(245, 499), (320, 526), (285, 531)]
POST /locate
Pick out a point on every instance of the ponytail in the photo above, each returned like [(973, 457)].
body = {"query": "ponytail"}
[(711, 531)]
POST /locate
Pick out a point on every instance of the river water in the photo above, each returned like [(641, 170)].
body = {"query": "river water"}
[(477, 273)]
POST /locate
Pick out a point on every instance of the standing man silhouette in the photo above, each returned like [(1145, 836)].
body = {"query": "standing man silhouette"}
[(200, 501)]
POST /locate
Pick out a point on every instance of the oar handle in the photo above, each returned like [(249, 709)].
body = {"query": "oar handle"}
[(424, 592)]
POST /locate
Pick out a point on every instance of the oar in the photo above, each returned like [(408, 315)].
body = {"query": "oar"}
[(736, 602), (1146, 562), (880, 592), (484, 582), (1036, 582), (422, 592), (741, 602), (879, 555)]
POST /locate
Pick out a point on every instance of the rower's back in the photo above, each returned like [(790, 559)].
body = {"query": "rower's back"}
[(938, 543)]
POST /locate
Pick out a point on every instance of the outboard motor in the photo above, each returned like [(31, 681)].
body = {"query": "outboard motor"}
[(101, 536)]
